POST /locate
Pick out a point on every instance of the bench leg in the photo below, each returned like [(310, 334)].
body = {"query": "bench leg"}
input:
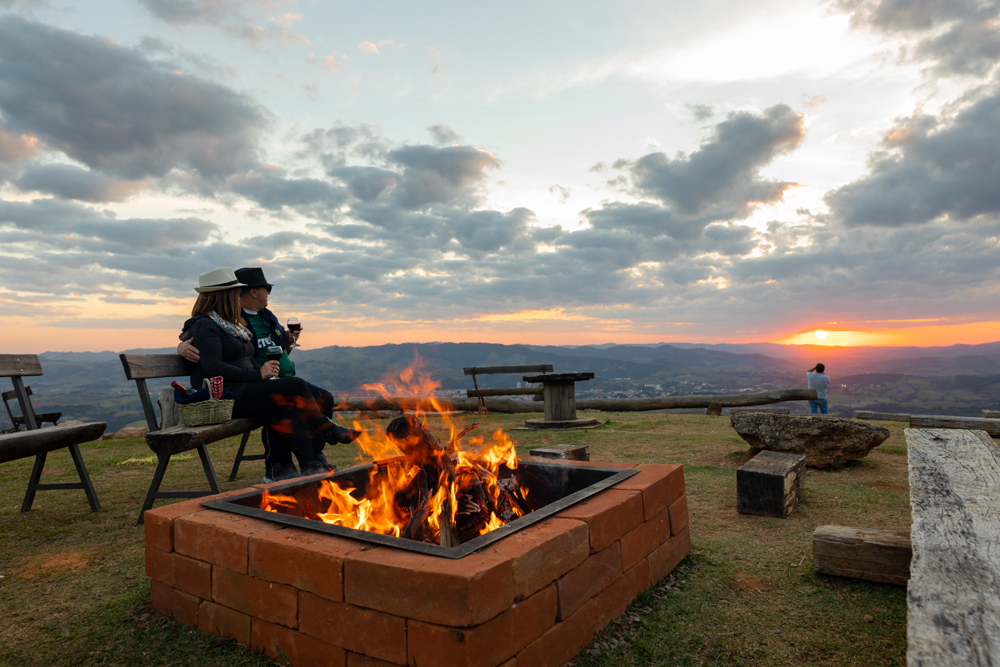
[(239, 457), (36, 475), (154, 486), (206, 463), (81, 469)]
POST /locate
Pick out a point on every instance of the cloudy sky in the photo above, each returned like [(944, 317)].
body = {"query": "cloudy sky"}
[(541, 172)]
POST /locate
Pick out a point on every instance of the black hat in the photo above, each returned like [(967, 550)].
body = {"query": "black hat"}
[(253, 277)]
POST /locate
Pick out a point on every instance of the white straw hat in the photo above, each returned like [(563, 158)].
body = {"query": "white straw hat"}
[(217, 280)]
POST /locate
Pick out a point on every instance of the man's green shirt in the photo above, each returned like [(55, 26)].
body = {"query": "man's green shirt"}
[(264, 341)]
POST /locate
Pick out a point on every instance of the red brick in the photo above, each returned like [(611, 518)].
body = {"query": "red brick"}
[(459, 593), (215, 619), (543, 552), (643, 540), (615, 599), (563, 641), (186, 608), (661, 484), (161, 597), (361, 660), (610, 514), (588, 579), (301, 651), (485, 645), (665, 559), (678, 515), (177, 571), (218, 537), (356, 629), (510, 663), (565, 462), (158, 522), (307, 560), (275, 603)]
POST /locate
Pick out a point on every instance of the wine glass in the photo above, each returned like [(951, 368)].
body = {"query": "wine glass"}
[(294, 324), (274, 353)]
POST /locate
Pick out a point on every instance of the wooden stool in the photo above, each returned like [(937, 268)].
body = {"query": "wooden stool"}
[(559, 394), (770, 484)]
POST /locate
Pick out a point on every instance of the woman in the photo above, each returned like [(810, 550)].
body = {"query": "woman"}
[(286, 405)]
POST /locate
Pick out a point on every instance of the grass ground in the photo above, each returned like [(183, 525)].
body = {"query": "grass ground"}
[(73, 590)]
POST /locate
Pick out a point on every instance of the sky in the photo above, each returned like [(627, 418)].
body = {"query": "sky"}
[(549, 172)]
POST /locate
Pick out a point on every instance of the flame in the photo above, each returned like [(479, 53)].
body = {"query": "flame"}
[(473, 490)]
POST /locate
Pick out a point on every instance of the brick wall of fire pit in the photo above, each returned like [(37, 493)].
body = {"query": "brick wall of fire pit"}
[(534, 598)]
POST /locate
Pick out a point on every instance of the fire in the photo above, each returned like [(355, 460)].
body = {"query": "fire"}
[(419, 488)]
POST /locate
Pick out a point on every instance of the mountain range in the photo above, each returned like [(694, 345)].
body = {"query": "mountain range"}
[(959, 379)]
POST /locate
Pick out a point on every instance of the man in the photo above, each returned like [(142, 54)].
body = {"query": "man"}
[(819, 382), (268, 332)]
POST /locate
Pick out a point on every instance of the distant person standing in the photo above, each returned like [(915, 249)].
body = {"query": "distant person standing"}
[(819, 382)]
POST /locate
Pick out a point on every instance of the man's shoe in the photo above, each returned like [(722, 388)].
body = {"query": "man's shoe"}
[(322, 459), (281, 472), (316, 468), (338, 435)]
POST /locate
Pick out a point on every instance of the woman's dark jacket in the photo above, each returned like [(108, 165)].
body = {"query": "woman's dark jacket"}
[(221, 354)]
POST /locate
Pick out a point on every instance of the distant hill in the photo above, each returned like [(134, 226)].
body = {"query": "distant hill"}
[(960, 379)]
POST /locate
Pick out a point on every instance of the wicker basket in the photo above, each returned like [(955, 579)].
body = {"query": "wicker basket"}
[(211, 411)]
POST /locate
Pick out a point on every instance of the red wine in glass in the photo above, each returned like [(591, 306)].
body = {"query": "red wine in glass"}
[(274, 353), (294, 324)]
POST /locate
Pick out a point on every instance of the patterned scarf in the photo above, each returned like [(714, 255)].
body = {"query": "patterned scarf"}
[(235, 330)]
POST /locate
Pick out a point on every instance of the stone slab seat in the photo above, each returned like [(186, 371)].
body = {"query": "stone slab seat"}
[(166, 439), (823, 441)]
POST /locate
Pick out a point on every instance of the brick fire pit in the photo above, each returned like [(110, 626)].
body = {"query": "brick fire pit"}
[(534, 598)]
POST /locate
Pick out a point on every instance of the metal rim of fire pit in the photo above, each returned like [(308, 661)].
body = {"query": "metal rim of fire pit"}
[(228, 505)]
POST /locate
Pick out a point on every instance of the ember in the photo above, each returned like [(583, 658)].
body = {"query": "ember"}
[(419, 488)]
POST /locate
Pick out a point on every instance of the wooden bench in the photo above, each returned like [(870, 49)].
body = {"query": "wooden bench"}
[(503, 370), (39, 442), (953, 608), (165, 440), (18, 420)]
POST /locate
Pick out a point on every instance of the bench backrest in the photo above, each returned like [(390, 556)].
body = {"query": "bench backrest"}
[(16, 366), (513, 370), (140, 367)]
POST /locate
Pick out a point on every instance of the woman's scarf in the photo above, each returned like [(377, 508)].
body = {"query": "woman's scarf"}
[(235, 330)]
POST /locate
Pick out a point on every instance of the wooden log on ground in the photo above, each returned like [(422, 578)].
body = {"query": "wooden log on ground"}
[(990, 414), (868, 415), (770, 484), (861, 553), (672, 402), (953, 609), (21, 445), (521, 391), (770, 411), (991, 426), (409, 404), (562, 452)]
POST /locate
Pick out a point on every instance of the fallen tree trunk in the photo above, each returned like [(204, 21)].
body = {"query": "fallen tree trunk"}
[(991, 426), (369, 404), (671, 402)]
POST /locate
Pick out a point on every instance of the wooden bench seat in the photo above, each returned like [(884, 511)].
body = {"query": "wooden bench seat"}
[(166, 439), (38, 442), (953, 604)]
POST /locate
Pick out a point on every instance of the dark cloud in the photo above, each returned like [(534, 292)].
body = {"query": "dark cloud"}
[(929, 168), (230, 17), (433, 175), (721, 180), (366, 183), (69, 182), (958, 36), (444, 135), (116, 111), (270, 188), (700, 112)]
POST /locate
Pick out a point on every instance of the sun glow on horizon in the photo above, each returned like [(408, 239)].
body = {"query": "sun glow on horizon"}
[(967, 333)]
